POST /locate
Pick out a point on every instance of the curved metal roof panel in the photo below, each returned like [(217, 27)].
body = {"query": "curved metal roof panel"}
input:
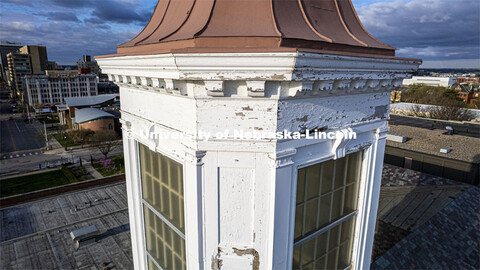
[(261, 25), (89, 114)]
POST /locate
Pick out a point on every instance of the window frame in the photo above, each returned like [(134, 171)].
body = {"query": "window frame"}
[(143, 203), (357, 214)]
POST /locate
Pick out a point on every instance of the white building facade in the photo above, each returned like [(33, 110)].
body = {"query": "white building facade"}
[(219, 100), (51, 88), (430, 81)]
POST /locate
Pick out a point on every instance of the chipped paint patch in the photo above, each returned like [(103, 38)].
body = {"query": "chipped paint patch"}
[(249, 251)]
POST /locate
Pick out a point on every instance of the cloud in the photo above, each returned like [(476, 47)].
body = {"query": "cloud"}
[(430, 29), (62, 16), (118, 12)]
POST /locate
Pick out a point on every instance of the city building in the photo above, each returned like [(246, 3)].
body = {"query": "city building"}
[(468, 92), (67, 111), (53, 87), (87, 66), (211, 95), (6, 47), (468, 79), (38, 58), (93, 119), (27, 60), (18, 68), (430, 81)]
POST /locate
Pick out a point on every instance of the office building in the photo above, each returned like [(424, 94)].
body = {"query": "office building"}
[(55, 86), (6, 48)]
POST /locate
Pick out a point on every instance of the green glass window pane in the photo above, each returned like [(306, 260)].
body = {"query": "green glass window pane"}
[(174, 176), (165, 202), (156, 165), (160, 252), (178, 263), (165, 168), (325, 207), (332, 259), (151, 265), (351, 197), (320, 263), (175, 205), (335, 199), (308, 252), (337, 205), (301, 185), (298, 221), (313, 181), (311, 214), (344, 256), (340, 170), (163, 244), (296, 258), (327, 176), (163, 188), (334, 238), (167, 236), (154, 200), (308, 266), (354, 165), (322, 242), (347, 230), (168, 259)]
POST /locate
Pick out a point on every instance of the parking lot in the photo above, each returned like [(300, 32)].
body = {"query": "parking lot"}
[(17, 136)]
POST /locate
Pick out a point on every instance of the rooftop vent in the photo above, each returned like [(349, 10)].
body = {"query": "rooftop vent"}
[(396, 138)]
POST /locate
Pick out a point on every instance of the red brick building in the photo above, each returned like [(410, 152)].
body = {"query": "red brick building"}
[(94, 119), (469, 92)]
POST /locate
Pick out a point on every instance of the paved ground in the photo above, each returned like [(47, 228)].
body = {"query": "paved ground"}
[(35, 235), (17, 136)]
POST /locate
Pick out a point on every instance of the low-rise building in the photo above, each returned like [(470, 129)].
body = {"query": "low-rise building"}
[(468, 79), (469, 92), (67, 111), (55, 86), (431, 81), (93, 119)]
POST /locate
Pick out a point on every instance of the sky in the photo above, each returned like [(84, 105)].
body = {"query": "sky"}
[(444, 33)]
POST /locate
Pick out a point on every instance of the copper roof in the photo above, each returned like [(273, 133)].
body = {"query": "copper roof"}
[(255, 25)]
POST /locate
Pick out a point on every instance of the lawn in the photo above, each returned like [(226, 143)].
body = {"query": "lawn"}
[(117, 169), (33, 182), (65, 140)]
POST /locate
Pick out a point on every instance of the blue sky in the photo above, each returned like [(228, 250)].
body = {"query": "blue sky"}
[(444, 33)]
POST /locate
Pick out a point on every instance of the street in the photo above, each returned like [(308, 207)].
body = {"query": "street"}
[(30, 163)]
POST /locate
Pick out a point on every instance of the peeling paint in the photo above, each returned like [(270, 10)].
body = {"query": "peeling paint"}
[(249, 251), (247, 108), (239, 114), (303, 119)]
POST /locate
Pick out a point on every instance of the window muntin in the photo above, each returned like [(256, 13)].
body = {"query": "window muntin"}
[(162, 192), (326, 205)]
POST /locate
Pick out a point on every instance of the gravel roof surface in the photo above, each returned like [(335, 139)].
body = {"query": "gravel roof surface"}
[(431, 141)]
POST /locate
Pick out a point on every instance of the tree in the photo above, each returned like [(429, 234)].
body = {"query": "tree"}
[(106, 141), (452, 110), (81, 136)]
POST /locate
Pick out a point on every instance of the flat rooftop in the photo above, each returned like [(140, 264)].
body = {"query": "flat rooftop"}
[(431, 141), (36, 235)]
